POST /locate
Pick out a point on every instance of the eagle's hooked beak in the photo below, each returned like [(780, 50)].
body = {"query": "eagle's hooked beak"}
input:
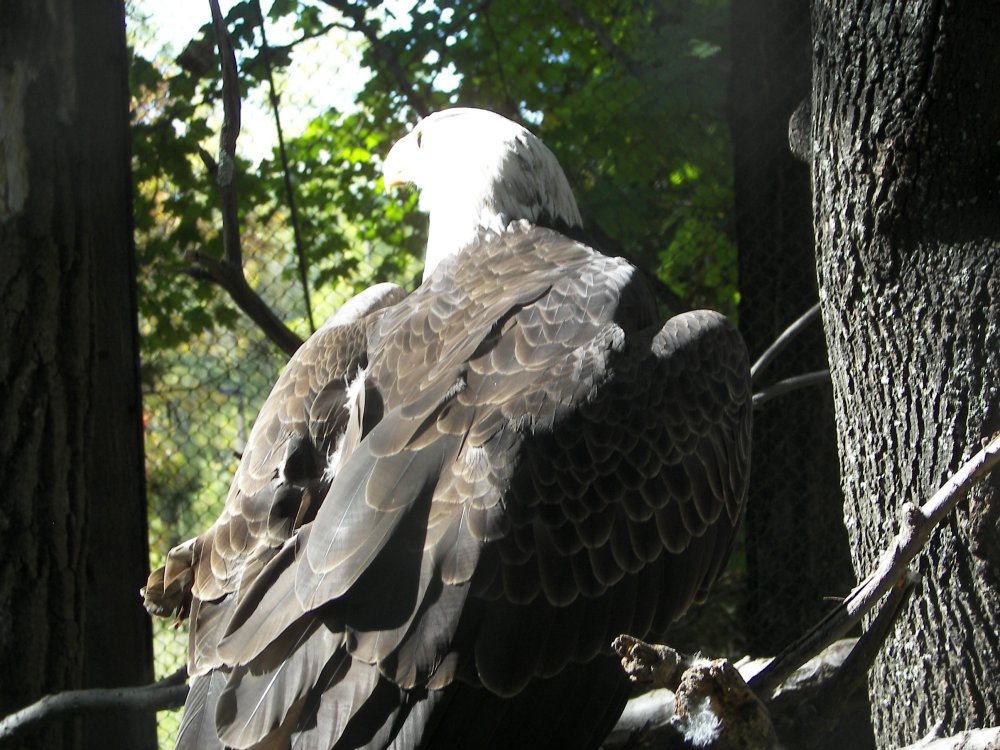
[(399, 166)]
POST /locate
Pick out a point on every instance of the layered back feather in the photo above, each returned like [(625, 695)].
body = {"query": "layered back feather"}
[(452, 502)]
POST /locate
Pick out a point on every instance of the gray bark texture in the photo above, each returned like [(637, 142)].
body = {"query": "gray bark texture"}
[(905, 161), (72, 512)]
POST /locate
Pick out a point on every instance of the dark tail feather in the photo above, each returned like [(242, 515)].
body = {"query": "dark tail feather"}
[(198, 730)]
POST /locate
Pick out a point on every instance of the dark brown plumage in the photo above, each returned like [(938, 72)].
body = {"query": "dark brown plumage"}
[(524, 465)]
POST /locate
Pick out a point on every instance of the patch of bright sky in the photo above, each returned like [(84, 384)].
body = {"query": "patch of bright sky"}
[(325, 72)]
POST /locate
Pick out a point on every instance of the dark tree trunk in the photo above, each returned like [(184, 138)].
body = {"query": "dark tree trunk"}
[(72, 513), (796, 544), (906, 116)]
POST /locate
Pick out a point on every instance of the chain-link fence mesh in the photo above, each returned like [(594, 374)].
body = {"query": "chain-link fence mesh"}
[(797, 556), (200, 398)]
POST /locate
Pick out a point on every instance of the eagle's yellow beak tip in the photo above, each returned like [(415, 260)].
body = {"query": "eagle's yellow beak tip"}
[(391, 182), (398, 165)]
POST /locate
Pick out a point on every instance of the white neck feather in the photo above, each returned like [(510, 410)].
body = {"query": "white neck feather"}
[(449, 231), (479, 171)]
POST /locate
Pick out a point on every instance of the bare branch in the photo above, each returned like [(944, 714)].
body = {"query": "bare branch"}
[(803, 717), (659, 665), (168, 693), (321, 31), (643, 715), (783, 340), (854, 671), (234, 282), (657, 717), (226, 172), (916, 526), (383, 51), (228, 272), (816, 701), (709, 706), (788, 385)]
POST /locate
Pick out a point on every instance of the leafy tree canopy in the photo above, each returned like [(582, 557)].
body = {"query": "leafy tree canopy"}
[(627, 94)]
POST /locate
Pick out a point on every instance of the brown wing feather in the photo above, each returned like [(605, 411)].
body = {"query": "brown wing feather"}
[(544, 467), (280, 474)]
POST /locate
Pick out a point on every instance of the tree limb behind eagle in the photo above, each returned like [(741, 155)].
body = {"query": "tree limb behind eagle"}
[(452, 502)]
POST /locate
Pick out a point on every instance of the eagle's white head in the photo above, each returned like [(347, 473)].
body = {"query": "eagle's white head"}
[(478, 170)]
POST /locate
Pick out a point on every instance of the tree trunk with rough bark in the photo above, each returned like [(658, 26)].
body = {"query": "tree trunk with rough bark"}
[(72, 513), (906, 120)]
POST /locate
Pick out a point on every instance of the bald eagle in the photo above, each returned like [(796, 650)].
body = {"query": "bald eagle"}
[(453, 501)]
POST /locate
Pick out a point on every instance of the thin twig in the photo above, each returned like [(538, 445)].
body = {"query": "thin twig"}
[(891, 575), (790, 384), (854, 669), (356, 14), (916, 526), (228, 272), (321, 31), (300, 251), (225, 176), (782, 341), (234, 282), (168, 693), (819, 715)]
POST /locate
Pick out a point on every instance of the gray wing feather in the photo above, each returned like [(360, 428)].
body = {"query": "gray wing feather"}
[(298, 667), (278, 483), (539, 467), (197, 730)]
